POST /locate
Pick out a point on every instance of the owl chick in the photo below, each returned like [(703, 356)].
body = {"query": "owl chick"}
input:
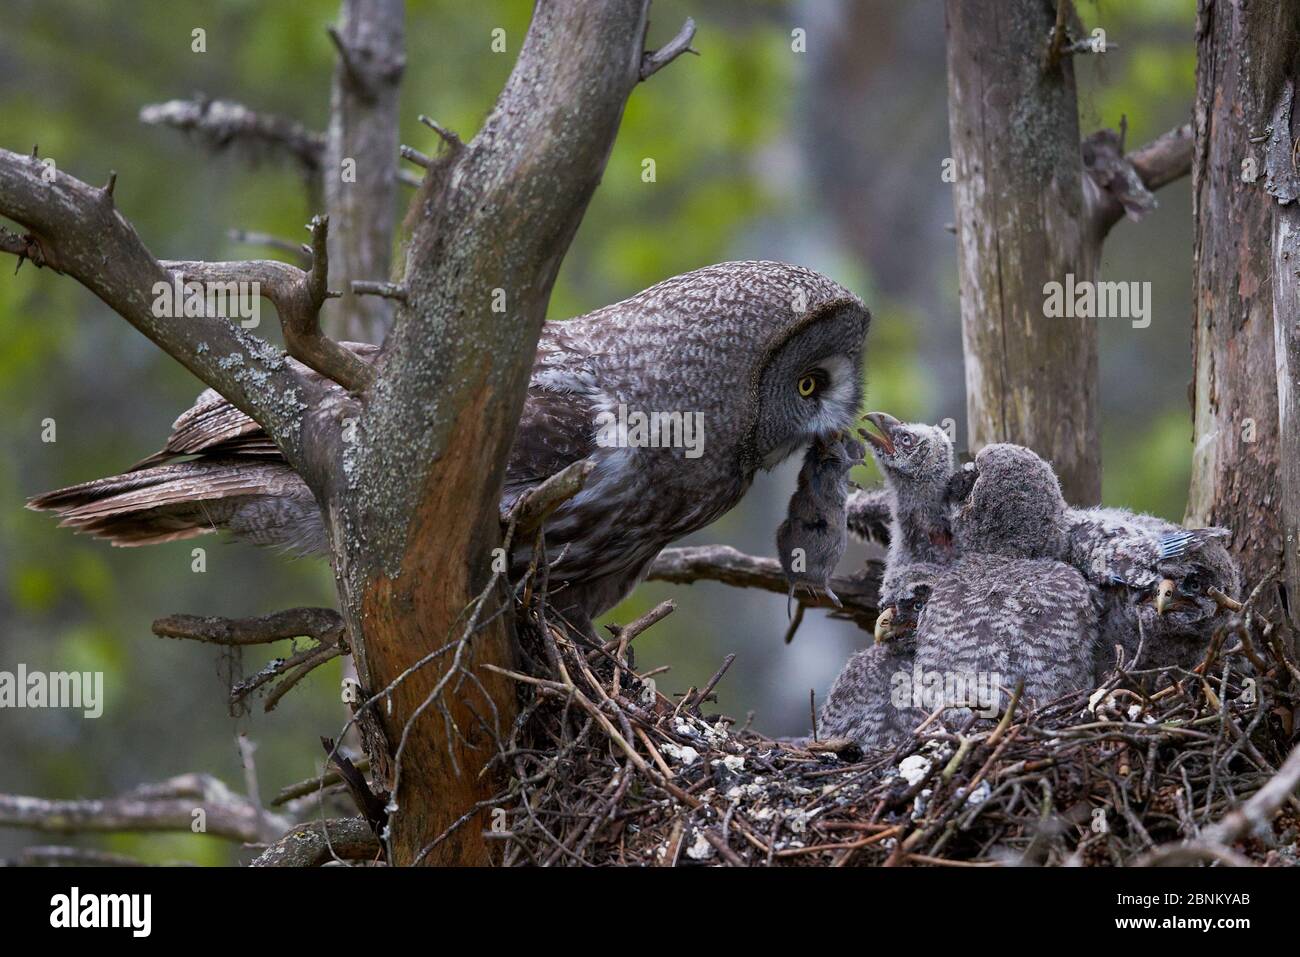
[(1175, 583), (992, 621), (1009, 608), (871, 700), (917, 464), (812, 539), (678, 396), (1008, 502), (868, 515)]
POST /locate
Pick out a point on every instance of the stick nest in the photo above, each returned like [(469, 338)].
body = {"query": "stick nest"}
[(605, 769)]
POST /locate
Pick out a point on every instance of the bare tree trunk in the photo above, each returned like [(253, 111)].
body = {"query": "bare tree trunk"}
[(360, 162), (414, 509), (1245, 282), (1020, 210)]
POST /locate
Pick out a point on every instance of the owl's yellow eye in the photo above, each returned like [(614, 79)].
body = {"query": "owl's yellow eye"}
[(807, 386)]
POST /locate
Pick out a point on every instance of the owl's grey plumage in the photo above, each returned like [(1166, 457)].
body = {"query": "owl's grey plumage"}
[(811, 540), (1175, 582), (917, 463), (992, 621), (1008, 502), (868, 515), (1010, 606), (769, 354), (870, 702)]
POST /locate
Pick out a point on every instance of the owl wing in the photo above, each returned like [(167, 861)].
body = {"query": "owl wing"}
[(212, 426), (869, 515), (1113, 547), (556, 429)]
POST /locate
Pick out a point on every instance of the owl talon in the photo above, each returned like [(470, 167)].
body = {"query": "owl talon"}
[(835, 599)]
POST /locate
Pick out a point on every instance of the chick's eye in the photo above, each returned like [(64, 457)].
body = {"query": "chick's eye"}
[(906, 440), (807, 385), (1192, 583)]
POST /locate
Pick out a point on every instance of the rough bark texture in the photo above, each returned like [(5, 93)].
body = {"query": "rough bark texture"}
[(364, 129), (1013, 123), (414, 507), (408, 467), (1245, 57)]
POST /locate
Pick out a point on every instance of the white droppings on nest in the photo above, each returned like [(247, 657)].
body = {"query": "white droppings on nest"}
[(732, 762), (716, 734), (701, 849), (978, 796), (914, 768), (920, 803), (740, 792), (683, 752), (940, 751)]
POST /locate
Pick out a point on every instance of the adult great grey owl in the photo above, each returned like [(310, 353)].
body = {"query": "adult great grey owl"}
[(678, 395)]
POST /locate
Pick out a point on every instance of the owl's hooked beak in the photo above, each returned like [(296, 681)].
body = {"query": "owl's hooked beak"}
[(886, 423), (884, 625), (1164, 595)]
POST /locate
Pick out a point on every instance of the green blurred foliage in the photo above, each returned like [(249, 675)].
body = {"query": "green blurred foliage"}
[(720, 128)]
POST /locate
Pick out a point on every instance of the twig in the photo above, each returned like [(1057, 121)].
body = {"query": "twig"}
[(323, 624), (173, 805), (722, 563), (652, 63), (219, 124)]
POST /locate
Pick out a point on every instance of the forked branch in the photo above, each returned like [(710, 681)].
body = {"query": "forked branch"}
[(74, 228)]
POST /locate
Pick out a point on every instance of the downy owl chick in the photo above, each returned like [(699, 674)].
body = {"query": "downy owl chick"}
[(1177, 584), (870, 701), (917, 463)]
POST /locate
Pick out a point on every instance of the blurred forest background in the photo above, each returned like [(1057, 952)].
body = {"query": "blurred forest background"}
[(830, 158)]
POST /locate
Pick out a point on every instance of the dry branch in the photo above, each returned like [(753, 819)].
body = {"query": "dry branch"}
[(1119, 183), (298, 296), (320, 842), (168, 806), (653, 62), (78, 231), (722, 563), (323, 624), (219, 124)]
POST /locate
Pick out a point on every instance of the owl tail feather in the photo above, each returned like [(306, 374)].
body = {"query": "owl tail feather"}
[(262, 502)]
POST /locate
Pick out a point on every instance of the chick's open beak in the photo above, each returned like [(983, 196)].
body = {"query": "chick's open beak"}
[(884, 625), (885, 423), (1164, 595)]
